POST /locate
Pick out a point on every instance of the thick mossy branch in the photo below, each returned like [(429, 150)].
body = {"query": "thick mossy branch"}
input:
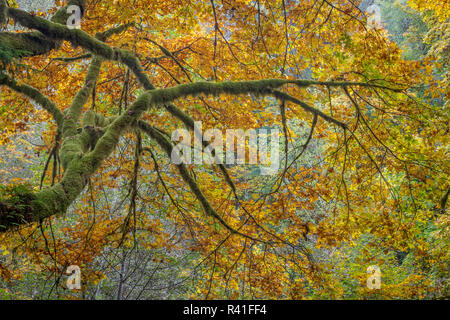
[(57, 31), (80, 38), (74, 144), (79, 166), (56, 199), (166, 96), (189, 124), (256, 87), (93, 128), (130, 60), (102, 36), (61, 16), (109, 137), (72, 148), (21, 205), (259, 87), (109, 140), (35, 95), (35, 43), (444, 200), (88, 119), (3, 12)]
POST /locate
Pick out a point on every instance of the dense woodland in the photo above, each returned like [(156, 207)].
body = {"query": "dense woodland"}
[(86, 177)]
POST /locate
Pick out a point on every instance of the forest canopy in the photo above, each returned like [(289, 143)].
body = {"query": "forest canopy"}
[(348, 97)]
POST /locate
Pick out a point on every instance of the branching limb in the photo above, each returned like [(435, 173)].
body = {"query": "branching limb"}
[(35, 95), (308, 108), (3, 12), (103, 36), (166, 145), (166, 189), (78, 37), (73, 145), (81, 98), (260, 87), (304, 147), (35, 43)]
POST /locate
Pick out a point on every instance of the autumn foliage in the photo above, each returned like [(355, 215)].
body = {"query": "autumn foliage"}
[(363, 176)]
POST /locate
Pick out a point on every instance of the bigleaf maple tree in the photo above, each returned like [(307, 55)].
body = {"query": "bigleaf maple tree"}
[(364, 140)]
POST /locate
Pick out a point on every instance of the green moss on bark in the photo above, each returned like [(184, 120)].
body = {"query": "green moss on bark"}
[(35, 95)]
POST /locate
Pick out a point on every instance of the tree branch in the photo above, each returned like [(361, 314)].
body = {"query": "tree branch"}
[(35, 95), (35, 43), (166, 145)]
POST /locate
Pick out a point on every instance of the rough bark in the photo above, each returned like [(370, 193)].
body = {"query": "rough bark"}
[(86, 146), (35, 43)]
